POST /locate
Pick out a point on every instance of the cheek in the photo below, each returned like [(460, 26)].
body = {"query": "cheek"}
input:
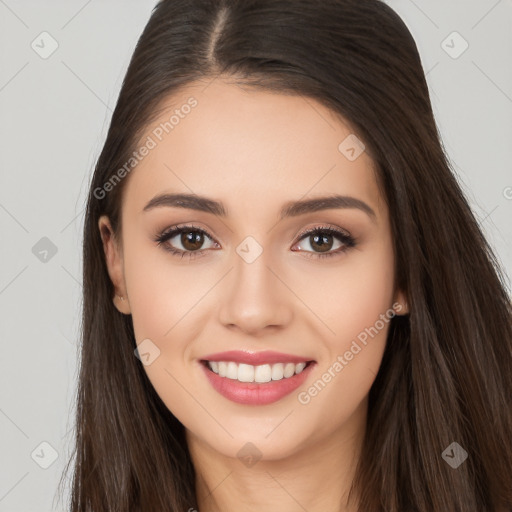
[(163, 300), (350, 296), (161, 292), (166, 300), (357, 309)]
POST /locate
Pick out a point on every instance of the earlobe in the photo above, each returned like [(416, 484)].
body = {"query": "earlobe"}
[(114, 262), (400, 305)]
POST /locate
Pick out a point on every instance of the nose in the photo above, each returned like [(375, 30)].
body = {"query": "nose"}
[(254, 297)]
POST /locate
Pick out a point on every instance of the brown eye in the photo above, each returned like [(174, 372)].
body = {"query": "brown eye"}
[(322, 239), (322, 243), (192, 240)]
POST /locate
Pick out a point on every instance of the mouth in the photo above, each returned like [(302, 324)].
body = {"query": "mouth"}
[(255, 385), (260, 374)]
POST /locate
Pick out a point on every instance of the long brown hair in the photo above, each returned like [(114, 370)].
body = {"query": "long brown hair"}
[(446, 372)]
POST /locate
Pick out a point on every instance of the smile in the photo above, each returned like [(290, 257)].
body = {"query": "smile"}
[(261, 373), (259, 387)]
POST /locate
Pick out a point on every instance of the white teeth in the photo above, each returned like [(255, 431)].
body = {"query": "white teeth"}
[(232, 371), (249, 373), (263, 373), (299, 367), (289, 369), (245, 372), (277, 371)]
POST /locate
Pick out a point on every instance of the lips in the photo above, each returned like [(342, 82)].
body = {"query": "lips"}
[(252, 384), (256, 358), (254, 393)]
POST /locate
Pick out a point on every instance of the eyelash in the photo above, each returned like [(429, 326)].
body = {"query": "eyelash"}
[(171, 232)]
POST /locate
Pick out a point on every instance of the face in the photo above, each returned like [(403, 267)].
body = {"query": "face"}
[(256, 274)]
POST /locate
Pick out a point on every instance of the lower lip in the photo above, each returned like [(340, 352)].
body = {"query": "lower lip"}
[(252, 393)]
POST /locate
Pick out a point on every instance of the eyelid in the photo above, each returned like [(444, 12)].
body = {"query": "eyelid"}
[(343, 235), (347, 240), (324, 227), (304, 232), (183, 226), (176, 229)]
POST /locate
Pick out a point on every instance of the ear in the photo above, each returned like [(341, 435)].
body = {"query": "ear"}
[(114, 261), (400, 303)]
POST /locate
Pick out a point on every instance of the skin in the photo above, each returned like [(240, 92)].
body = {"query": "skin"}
[(254, 151)]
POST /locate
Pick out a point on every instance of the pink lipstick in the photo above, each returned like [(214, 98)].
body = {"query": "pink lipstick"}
[(255, 378)]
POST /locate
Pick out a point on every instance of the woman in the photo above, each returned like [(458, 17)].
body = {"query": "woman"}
[(288, 303)]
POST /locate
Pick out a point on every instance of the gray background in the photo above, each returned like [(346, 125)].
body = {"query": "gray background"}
[(54, 114)]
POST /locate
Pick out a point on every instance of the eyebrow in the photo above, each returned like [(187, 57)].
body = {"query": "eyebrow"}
[(290, 209)]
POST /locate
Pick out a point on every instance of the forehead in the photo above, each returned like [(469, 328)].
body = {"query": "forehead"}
[(225, 141)]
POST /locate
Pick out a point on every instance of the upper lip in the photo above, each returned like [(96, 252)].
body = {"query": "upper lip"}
[(256, 358)]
